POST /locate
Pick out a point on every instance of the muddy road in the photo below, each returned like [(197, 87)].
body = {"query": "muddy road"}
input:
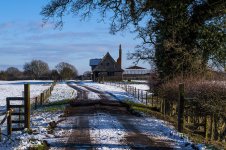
[(104, 123)]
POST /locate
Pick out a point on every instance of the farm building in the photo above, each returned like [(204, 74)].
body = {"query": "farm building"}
[(136, 73), (107, 68)]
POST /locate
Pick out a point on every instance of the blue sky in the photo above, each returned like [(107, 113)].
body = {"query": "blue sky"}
[(23, 38)]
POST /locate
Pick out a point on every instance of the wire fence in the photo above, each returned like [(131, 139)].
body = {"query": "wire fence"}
[(186, 112), (43, 97), (144, 96)]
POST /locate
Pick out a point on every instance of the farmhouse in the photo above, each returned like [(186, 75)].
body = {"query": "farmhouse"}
[(107, 68)]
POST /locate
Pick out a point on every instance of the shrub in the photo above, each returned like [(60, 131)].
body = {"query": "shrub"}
[(210, 95), (154, 82)]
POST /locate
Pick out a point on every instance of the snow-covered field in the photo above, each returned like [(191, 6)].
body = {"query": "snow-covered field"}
[(40, 120), (141, 85), (144, 87), (61, 92), (26, 81), (16, 88), (137, 81)]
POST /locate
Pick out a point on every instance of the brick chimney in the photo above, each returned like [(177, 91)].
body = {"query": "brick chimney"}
[(119, 60)]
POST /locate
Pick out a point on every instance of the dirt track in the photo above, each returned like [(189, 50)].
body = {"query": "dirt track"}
[(83, 112)]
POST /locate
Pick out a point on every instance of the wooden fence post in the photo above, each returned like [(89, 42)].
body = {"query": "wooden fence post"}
[(42, 99), (9, 124), (135, 92), (27, 106), (36, 101), (163, 106), (141, 96), (180, 120), (9, 120), (152, 99)]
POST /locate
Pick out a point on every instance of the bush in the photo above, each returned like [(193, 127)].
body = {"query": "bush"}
[(210, 95), (154, 82)]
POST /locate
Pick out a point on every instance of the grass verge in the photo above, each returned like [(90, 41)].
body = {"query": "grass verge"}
[(136, 108), (42, 146), (54, 106)]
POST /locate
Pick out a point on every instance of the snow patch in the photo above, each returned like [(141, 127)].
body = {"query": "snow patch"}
[(91, 95), (61, 92), (107, 131), (117, 92)]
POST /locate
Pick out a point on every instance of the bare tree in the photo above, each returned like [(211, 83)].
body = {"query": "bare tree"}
[(54, 75), (179, 37), (13, 73), (36, 68), (66, 71)]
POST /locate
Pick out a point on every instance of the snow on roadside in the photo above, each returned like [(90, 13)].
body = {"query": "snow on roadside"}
[(118, 92), (39, 124), (91, 95), (106, 131), (160, 130), (61, 92)]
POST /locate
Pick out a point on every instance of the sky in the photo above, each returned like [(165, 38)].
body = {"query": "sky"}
[(24, 37)]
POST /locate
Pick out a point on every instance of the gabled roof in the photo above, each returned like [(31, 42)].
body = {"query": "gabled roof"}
[(113, 65), (94, 62), (135, 67)]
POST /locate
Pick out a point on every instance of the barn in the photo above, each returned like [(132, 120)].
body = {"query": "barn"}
[(136, 73)]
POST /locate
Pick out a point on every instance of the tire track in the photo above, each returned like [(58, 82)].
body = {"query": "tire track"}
[(134, 138)]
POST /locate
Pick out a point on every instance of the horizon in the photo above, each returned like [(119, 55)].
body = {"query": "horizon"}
[(25, 38)]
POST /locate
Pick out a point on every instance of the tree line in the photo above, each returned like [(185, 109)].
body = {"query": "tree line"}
[(38, 69)]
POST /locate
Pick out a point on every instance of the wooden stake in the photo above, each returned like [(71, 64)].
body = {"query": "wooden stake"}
[(180, 121), (27, 106)]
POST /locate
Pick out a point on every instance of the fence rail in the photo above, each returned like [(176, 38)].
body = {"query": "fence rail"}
[(43, 97), (145, 97), (184, 111)]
